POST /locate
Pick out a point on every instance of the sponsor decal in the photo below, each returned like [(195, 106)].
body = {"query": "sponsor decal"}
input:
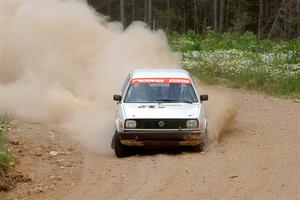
[(160, 80)]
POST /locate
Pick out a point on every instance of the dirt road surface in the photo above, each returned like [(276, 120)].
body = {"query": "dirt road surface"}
[(258, 157)]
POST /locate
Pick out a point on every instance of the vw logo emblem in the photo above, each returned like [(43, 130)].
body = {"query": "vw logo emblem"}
[(161, 124)]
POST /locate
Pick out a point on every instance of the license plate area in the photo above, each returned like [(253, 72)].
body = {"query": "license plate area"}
[(161, 143)]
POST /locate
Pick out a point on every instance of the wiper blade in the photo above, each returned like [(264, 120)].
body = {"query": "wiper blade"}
[(186, 101), (174, 100), (166, 100)]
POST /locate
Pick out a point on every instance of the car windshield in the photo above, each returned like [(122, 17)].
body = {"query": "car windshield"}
[(161, 90)]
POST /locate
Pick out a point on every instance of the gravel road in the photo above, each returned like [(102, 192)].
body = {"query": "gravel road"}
[(257, 157)]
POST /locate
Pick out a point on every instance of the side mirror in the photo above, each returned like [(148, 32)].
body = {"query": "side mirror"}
[(117, 97), (203, 97)]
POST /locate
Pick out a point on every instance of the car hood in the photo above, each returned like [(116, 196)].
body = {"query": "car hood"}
[(164, 110)]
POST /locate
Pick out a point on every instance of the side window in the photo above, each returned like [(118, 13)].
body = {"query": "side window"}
[(125, 84)]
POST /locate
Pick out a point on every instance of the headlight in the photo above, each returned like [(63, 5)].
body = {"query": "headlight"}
[(130, 124), (192, 123)]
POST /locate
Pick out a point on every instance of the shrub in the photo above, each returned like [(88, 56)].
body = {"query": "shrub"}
[(5, 156), (244, 60)]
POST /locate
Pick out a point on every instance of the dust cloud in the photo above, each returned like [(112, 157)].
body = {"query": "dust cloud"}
[(61, 62), (220, 112)]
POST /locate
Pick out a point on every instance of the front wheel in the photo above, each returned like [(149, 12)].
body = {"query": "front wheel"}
[(203, 145), (121, 150), (198, 148)]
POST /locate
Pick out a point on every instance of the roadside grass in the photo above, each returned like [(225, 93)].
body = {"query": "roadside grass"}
[(5, 155), (242, 61)]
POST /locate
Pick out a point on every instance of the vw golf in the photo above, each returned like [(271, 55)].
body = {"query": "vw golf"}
[(159, 108)]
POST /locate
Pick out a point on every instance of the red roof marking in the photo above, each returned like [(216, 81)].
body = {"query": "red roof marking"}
[(161, 80)]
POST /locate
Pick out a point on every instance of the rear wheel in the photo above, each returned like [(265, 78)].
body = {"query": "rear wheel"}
[(120, 149)]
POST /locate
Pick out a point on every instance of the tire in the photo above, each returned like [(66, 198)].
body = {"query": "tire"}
[(198, 148), (121, 150), (203, 145)]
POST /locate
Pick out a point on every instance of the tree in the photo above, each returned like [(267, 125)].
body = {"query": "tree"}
[(145, 10), (298, 17), (150, 13), (215, 7), (133, 10), (168, 9), (268, 18), (196, 26), (122, 13), (221, 20), (260, 18), (227, 12)]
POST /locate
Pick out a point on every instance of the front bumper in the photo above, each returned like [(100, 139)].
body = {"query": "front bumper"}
[(161, 137)]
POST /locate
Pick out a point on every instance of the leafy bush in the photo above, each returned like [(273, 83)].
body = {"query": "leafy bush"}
[(5, 156), (244, 60)]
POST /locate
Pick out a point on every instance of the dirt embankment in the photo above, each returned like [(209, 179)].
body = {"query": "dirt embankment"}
[(47, 162), (257, 157)]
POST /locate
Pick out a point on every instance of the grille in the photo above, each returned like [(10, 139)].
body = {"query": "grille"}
[(161, 123)]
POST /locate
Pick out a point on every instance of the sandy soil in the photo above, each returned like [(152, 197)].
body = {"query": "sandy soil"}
[(258, 157), (47, 159)]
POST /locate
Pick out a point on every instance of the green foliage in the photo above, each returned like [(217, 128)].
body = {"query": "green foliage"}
[(166, 18), (243, 60), (5, 156)]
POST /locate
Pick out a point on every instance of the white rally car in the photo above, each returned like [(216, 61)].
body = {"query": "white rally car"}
[(159, 107)]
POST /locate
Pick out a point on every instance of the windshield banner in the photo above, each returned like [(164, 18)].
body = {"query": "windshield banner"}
[(161, 80)]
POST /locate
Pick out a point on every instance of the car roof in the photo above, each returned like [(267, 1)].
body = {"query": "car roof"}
[(160, 73)]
